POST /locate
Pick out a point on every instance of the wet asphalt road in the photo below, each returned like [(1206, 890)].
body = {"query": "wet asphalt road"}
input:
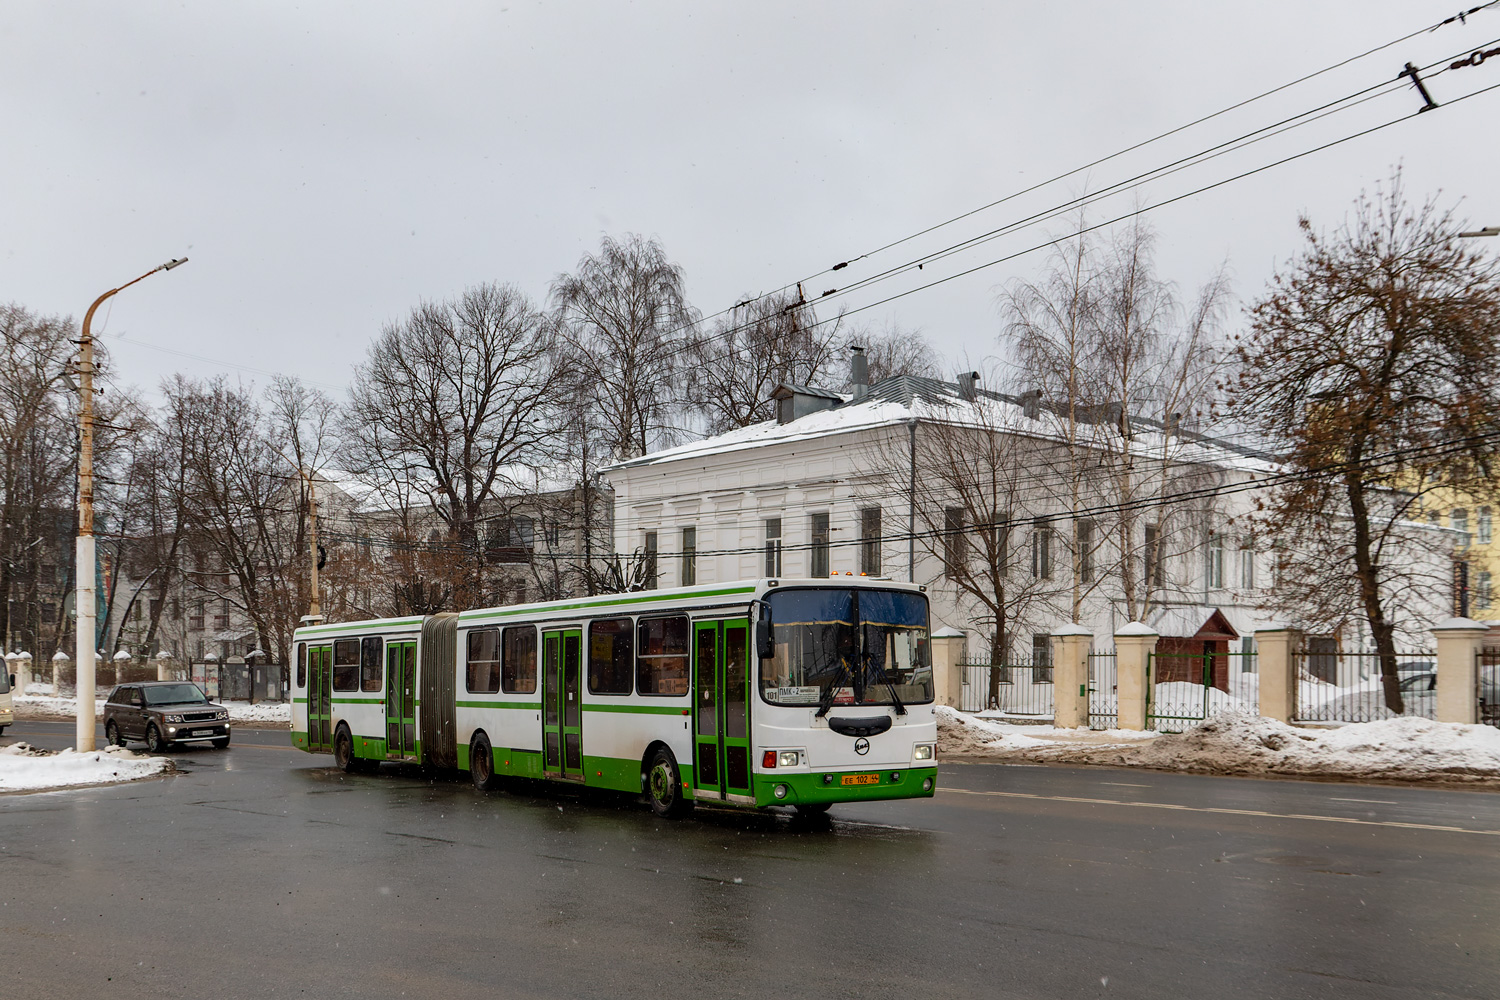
[(261, 871)]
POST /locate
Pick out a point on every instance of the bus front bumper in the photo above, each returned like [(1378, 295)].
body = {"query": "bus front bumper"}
[(802, 787)]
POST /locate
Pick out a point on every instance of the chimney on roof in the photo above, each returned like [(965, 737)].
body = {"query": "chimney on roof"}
[(859, 371), (968, 385), (1031, 404)]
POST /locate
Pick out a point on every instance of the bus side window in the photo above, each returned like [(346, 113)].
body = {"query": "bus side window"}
[(662, 656), (346, 665), (370, 672), (518, 660), (482, 673), (302, 664), (610, 669)]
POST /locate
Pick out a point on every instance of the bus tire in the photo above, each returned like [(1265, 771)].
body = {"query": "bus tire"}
[(482, 764), (343, 750), (664, 785)]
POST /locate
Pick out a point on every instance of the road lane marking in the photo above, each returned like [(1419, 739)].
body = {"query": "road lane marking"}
[(1124, 784), (1375, 802), (1225, 811)]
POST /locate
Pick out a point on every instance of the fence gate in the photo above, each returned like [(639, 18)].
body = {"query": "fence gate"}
[(1104, 701), (1021, 689), (1178, 688), (1489, 687)]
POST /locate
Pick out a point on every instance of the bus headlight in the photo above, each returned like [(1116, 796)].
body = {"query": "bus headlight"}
[(924, 751), (789, 758)]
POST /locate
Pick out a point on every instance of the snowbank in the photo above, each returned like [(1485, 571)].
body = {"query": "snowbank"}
[(44, 706), (24, 768), (1241, 742)]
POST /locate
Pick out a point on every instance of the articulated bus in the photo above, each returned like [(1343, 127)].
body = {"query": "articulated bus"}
[(800, 693)]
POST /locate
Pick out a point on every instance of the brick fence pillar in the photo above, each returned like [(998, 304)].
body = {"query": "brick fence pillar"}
[(947, 667), (1276, 665), (1134, 644), (1070, 676), (1459, 641)]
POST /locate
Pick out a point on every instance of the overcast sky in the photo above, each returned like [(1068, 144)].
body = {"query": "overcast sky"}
[(326, 166)]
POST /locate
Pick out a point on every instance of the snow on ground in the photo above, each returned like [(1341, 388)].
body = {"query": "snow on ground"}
[(24, 768), (1241, 742), (43, 706)]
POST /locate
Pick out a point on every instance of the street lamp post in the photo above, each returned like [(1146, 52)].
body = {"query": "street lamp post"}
[(84, 597)]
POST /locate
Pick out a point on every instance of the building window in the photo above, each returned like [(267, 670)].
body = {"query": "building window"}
[(869, 541), (1215, 567), (955, 553), (1485, 532), (482, 673), (1041, 549), (518, 661), (1460, 522), (1247, 648), (611, 666), (689, 556), (1247, 566), (1482, 589), (773, 547), (662, 656), (649, 552), (221, 620), (1086, 551), (819, 550), (1155, 557)]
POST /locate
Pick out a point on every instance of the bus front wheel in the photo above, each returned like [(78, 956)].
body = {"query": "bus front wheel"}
[(664, 785)]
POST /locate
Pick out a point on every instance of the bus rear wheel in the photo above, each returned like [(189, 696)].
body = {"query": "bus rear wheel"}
[(482, 764), (343, 751), (664, 785)]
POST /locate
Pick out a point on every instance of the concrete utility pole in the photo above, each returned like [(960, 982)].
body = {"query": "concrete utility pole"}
[(83, 595)]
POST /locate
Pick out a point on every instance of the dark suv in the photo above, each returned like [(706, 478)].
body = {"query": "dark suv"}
[(163, 713)]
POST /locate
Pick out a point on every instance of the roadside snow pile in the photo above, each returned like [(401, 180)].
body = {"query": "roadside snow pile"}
[(262, 712), (44, 706), (24, 768), (34, 706), (960, 733), (1404, 749)]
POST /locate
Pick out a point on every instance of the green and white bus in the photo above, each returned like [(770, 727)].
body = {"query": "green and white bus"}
[(767, 692)]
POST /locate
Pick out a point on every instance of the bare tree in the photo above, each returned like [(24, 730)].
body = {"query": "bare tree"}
[(1118, 369), (756, 346), (894, 351), (1370, 362), (450, 404), (626, 325)]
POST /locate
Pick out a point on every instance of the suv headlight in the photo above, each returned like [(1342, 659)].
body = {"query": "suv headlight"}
[(222, 713), (924, 751), (173, 718)]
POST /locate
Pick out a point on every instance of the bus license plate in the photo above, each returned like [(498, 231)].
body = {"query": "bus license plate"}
[(860, 779)]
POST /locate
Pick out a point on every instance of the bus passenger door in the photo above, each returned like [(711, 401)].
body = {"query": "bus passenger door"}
[(400, 699), (319, 697), (721, 709), (562, 712)]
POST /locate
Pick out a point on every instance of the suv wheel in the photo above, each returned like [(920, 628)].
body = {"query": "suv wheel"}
[(154, 741), (112, 734)]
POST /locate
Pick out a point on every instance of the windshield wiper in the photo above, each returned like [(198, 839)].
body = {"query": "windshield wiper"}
[(825, 700)]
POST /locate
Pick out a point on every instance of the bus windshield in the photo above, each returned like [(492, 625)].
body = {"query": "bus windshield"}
[(847, 647)]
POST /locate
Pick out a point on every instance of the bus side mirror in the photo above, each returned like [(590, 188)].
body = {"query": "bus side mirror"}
[(12, 680), (764, 648)]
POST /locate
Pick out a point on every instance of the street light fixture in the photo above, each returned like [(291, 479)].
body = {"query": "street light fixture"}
[(1486, 231), (84, 598)]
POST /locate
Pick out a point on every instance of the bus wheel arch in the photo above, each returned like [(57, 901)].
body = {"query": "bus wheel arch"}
[(482, 762), (661, 781)]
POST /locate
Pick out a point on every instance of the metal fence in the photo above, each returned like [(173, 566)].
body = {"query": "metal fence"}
[(1184, 689), (1489, 687), (1104, 697), (1346, 685), (1020, 689)]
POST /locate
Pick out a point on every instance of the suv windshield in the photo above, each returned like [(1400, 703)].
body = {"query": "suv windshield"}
[(847, 647), (175, 694)]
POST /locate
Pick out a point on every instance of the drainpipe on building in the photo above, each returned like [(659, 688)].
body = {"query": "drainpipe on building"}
[(911, 514)]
